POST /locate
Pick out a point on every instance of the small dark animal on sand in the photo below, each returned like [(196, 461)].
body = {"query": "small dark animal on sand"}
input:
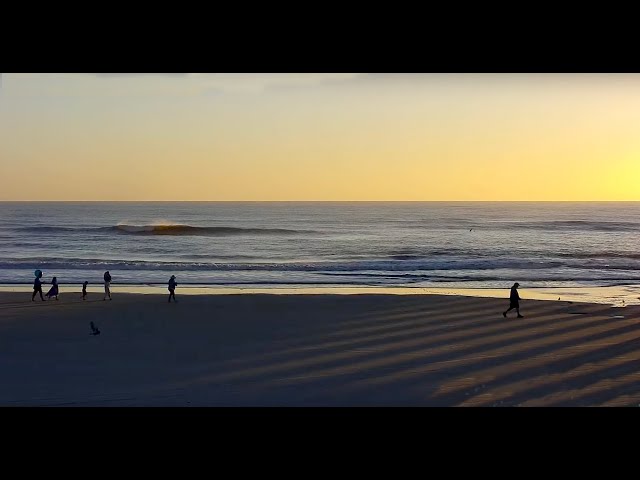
[(94, 329)]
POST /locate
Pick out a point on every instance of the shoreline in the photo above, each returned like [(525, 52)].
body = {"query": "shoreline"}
[(618, 296)]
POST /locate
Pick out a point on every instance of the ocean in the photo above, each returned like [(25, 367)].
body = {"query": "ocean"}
[(323, 244)]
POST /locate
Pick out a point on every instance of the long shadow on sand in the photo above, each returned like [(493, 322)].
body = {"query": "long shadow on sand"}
[(440, 356), (364, 350)]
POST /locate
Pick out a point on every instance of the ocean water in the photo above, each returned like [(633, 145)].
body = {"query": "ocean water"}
[(396, 244)]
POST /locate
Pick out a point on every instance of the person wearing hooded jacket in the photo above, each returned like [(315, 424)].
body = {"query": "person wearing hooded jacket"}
[(514, 301)]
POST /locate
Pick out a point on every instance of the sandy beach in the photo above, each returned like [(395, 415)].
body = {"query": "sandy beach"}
[(315, 350)]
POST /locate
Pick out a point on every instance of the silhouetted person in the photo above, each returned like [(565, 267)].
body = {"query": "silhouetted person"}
[(107, 284), (514, 300), (172, 288), (37, 287), (94, 329), (53, 291), (84, 290)]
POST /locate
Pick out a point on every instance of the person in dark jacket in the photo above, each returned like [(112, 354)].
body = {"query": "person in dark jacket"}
[(37, 286), (53, 291), (107, 285), (84, 290), (172, 288), (514, 301)]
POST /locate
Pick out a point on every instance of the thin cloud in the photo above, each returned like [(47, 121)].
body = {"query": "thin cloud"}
[(113, 74), (168, 84), (258, 82), (255, 82)]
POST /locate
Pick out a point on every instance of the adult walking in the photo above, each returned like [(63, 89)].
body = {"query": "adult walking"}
[(107, 285), (37, 286), (514, 301), (172, 288)]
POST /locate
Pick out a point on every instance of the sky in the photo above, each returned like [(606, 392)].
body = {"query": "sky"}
[(319, 136)]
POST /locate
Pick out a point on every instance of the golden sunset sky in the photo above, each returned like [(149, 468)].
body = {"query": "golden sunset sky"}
[(204, 136)]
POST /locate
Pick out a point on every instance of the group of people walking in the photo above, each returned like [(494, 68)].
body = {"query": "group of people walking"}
[(37, 287), (514, 297), (54, 290)]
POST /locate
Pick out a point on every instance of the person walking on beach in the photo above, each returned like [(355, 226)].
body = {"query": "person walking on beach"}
[(107, 284), (172, 288), (84, 290), (53, 291), (514, 300), (37, 286)]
